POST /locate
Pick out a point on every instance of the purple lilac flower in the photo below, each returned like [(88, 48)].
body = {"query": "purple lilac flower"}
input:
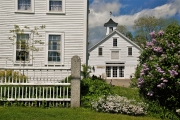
[(179, 35), (179, 52), (150, 93), (173, 44), (161, 85), (149, 44), (157, 49), (176, 66), (162, 78), (142, 45), (152, 34), (165, 81), (159, 70), (173, 72), (140, 82), (154, 40), (160, 33)]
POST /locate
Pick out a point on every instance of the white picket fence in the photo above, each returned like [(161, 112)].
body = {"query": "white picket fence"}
[(35, 84)]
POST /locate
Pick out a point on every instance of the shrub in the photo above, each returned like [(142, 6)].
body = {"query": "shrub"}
[(118, 104), (10, 75), (92, 90), (159, 76)]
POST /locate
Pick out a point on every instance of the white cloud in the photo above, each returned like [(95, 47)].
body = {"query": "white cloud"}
[(100, 14)]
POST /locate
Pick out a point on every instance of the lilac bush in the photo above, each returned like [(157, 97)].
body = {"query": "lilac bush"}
[(158, 75), (119, 104)]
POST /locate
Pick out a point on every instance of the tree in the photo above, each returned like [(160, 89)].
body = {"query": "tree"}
[(146, 24), (124, 31), (158, 72)]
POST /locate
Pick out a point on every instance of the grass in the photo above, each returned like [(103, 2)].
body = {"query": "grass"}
[(130, 93), (32, 113)]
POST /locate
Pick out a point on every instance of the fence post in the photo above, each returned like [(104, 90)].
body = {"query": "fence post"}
[(75, 81)]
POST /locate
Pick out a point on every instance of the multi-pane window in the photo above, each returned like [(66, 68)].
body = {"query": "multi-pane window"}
[(129, 51), (115, 42), (100, 52), (108, 71), (55, 5), (121, 71), (24, 5), (114, 54), (54, 48), (22, 52), (114, 71)]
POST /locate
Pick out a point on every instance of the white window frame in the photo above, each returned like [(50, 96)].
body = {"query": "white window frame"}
[(30, 52), (24, 11), (55, 12), (61, 49)]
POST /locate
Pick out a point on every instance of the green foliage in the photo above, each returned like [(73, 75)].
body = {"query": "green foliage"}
[(159, 68), (92, 90), (10, 75), (86, 71)]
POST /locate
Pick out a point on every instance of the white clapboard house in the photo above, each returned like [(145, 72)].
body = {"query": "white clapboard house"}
[(115, 56), (64, 35)]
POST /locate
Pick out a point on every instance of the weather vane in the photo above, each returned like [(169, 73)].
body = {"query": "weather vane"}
[(110, 13)]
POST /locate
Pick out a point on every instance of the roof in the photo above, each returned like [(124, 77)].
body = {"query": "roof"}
[(110, 22), (111, 34)]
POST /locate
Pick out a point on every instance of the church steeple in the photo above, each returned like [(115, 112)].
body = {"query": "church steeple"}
[(110, 26)]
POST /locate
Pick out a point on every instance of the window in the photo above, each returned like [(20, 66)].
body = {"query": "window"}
[(22, 52), (55, 51), (56, 6), (100, 52), (114, 54), (121, 71), (114, 71), (114, 42), (130, 51), (110, 29), (24, 6), (108, 71)]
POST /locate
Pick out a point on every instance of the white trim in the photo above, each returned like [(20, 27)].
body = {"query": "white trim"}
[(24, 11), (30, 52), (85, 33), (61, 50), (56, 12)]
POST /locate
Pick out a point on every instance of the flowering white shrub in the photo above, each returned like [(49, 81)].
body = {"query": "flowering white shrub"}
[(119, 104)]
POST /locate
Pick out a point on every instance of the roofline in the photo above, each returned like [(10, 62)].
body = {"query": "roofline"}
[(100, 42)]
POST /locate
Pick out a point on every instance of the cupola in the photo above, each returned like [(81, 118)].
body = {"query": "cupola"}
[(110, 26)]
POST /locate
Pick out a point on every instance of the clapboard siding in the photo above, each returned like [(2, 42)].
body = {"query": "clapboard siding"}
[(107, 46), (73, 24)]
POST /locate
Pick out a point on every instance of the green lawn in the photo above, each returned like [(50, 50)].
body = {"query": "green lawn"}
[(32, 113)]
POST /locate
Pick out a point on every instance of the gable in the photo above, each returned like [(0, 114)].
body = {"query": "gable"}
[(115, 34)]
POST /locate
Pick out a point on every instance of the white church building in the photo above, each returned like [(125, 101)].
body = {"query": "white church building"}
[(115, 56)]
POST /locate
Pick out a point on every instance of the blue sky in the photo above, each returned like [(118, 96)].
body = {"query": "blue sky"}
[(125, 12)]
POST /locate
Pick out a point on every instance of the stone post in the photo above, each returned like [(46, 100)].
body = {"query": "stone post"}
[(75, 81)]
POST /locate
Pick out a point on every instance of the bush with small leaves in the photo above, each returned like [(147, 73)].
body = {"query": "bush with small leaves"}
[(119, 104)]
